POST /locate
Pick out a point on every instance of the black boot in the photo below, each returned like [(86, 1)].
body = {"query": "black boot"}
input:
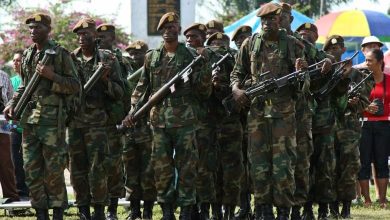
[(258, 212), (283, 213), (167, 210), (308, 213), (229, 212), (185, 212), (334, 210), (84, 213), (98, 212), (204, 211), (148, 210), (323, 211), (195, 215), (135, 209), (268, 213), (42, 214), (216, 210), (346, 210), (112, 209), (58, 213), (296, 213), (245, 206)]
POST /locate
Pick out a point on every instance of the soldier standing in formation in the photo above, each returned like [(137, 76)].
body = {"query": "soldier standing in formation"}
[(139, 175), (43, 119), (271, 121), (87, 133), (174, 120)]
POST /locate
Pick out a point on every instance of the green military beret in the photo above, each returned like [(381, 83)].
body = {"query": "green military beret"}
[(286, 7), (137, 45), (105, 28), (213, 24), (219, 36), (85, 23), (241, 30), (309, 27), (333, 40), (269, 9), (196, 26), (170, 17), (39, 18)]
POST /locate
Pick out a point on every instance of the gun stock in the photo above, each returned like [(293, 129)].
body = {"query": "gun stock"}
[(31, 87), (162, 92)]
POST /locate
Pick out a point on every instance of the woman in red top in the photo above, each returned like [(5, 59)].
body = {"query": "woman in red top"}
[(374, 143)]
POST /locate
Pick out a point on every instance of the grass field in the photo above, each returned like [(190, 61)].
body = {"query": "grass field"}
[(358, 212)]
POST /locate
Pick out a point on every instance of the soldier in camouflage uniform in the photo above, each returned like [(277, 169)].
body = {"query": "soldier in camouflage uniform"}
[(43, 119), (174, 120), (212, 27), (205, 135), (304, 110), (140, 184), (242, 33), (271, 120), (116, 112), (87, 133), (348, 129), (228, 129)]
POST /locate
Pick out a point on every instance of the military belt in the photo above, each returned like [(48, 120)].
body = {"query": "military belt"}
[(169, 102)]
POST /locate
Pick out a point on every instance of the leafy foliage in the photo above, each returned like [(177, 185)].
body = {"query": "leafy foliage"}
[(18, 37)]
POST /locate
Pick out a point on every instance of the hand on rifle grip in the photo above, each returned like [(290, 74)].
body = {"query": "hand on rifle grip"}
[(347, 68), (300, 64), (128, 121), (107, 71), (240, 97), (8, 112), (326, 66), (45, 70)]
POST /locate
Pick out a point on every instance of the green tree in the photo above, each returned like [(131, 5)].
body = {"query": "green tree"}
[(17, 35)]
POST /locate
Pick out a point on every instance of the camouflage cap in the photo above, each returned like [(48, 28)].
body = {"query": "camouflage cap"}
[(309, 27), (286, 7), (39, 18), (214, 24), (137, 45), (333, 40), (241, 30), (196, 26), (105, 28), (269, 9), (85, 23), (217, 36), (170, 17)]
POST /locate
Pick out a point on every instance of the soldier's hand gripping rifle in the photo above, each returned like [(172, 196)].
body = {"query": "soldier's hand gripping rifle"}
[(31, 87), (162, 93), (336, 77), (217, 64), (265, 87), (354, 90)]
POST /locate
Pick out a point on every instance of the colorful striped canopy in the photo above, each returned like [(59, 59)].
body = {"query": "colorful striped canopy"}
[(354, 25)]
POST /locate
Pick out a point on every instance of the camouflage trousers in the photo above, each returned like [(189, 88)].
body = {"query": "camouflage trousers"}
[(44, 155), (207, 165), (87, 173), (139, 174), (272, 153), (114, 164), (322, 168), (229, 155), (304, 152), (246, 179), (175, 157), (347, 159)]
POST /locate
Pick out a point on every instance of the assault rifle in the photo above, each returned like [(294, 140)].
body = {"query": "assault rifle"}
[(220, 61), (135, 75), (268, 86), (31, 87), (166, 89), (336, 77), (354, 89), (94, 78)]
